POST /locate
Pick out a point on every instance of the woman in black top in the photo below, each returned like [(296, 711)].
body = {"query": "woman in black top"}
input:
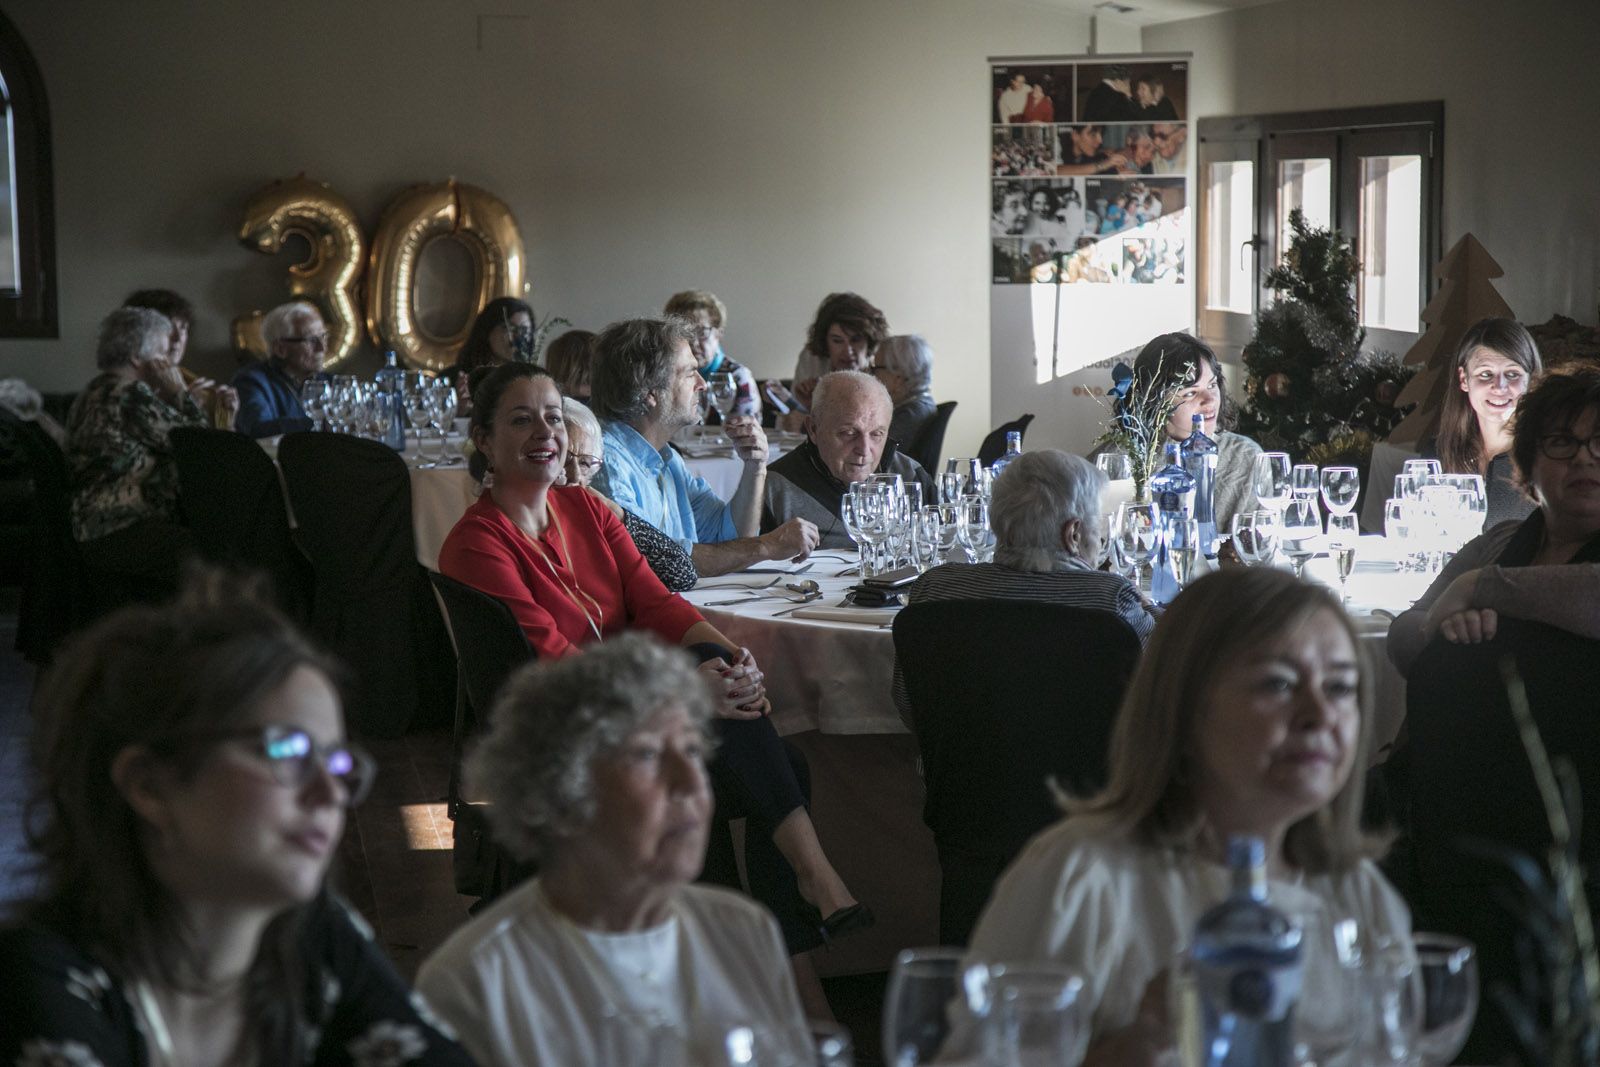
[(193, 781)]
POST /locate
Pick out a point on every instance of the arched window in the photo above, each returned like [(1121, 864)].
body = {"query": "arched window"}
[(27, 197)]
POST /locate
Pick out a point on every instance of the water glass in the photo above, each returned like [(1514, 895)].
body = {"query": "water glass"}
[(1039, 1016), (1272, 480), (1138, 526), (1341, 486), (1397, 526), (931, 991), (1421, 468), (1328, 1018), (1116, 466), (1305, 479), (1448, 969), (972, 517), (927, 534)]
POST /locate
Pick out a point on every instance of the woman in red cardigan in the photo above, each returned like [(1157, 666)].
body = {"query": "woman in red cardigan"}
[(571, 575)]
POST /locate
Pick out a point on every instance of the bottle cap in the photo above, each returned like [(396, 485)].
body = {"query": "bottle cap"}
[(1246, 852)]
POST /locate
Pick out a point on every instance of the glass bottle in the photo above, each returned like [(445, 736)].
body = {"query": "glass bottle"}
[(1172, 491), (1013, 450), (1200, 460)]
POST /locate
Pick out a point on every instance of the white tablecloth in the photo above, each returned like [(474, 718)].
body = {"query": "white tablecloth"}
[(717, 464)]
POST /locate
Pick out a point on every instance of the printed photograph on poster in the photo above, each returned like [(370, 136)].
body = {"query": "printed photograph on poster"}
[(1131, 92), (1127, 148), (1116, 204), (1032, 94), (1024, 152), (1152, 261), (1052, 208)]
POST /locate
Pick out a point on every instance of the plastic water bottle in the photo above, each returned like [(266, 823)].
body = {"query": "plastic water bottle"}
[(1013, 450), (1173, 492), (1200, 460), (390, 380), (1247, 967)]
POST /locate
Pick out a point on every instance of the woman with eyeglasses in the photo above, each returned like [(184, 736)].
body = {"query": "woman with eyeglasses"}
[(193, 780), (1495, 364), (585, 458), (502, 333), (1545, 568)]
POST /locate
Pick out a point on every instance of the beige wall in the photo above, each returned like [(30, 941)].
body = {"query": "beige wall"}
[(1520, 90), (770, 152)]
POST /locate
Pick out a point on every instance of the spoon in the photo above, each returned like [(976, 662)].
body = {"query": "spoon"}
[(806, 586), (802, 602)]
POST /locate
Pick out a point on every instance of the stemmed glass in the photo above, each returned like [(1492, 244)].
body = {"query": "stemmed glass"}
[(722, 391), (1138, 527), (1327, 1020), (972, 520), (1183, 545), (1340, 488), (932, 991), (1271, 480), (1041, 1020), (850, 515), (926, 533), (872, 506), (441, 412), (1302, 525), (1304, 479), (419, 412), (314, 398), (1116, 466), (1448, 971), (1256, 534), (1343, 537)]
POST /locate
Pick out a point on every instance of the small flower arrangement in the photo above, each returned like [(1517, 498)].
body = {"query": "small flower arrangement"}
[(1138, 418)]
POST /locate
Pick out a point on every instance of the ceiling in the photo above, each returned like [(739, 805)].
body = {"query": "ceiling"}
[(1151, 12)]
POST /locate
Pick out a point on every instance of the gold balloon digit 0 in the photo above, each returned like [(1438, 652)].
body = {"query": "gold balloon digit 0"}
[(327, 277), (415, 218)]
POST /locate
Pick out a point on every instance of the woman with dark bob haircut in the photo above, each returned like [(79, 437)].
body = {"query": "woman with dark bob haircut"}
[(502, 333), (193, 780), (843, 336), (1248, 715), (1545, 568), (1178, 362), (1495, 364)]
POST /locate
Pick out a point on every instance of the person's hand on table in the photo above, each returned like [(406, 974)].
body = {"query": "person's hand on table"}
[(794, 540), (740, 691), (1454, 616), (749, 439)]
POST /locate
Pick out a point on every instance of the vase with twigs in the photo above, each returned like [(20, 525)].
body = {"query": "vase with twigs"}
[(1137, 415)]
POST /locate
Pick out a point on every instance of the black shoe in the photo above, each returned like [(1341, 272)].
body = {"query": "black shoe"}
[(842, 922)]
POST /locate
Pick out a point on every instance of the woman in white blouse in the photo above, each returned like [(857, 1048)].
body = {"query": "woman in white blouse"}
[(595, 768), (1248, 715)]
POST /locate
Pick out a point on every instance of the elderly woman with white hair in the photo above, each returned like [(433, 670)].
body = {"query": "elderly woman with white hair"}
[(595, 768), (1046, 512), (904, 364), (124, 479), (269, 389)]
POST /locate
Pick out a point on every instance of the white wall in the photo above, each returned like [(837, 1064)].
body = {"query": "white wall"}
[(770, 152), (1520, 90)]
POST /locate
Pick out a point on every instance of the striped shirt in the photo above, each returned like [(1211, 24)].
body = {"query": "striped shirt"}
[(1075, 585)]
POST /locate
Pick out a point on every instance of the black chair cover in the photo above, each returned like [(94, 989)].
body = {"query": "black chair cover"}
[(1462, 781), (489, 646), (994, 446), (232, 501), (1005, 695), (351, 500), (929, 445)]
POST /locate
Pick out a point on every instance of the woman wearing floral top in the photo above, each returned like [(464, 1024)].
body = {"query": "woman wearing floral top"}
[(125, 483), (194, 780)]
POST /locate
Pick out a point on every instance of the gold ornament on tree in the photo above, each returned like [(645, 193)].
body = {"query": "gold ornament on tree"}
[(415, 218), (1276, 385), (327, 277)]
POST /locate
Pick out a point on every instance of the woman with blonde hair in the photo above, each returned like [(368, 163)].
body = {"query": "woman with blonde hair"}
[(1249, 715)]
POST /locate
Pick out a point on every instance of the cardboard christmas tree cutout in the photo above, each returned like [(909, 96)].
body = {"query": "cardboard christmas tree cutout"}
[(1466, 295)]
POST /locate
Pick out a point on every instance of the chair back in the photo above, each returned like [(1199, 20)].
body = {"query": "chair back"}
[(994, 446), (232, 501), (351, 499), (929, 445), (1006, 695), (52, 602)]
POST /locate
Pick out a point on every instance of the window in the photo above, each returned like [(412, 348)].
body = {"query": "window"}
[(1372, 173), (27, 216)]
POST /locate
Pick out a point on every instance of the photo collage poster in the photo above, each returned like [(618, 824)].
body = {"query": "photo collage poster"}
[(1088, 167)]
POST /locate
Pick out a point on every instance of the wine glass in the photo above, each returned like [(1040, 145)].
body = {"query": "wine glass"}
[(872, 504), (1343, 537), (1037, 1007), (314, 398), (1256, 534), (1327, 1019), (931, 991), (850, 515), (419, 411), (1138, 526), (1303, 478), (1271, 480), (1448, 969), (1340, 488), (1393, 1005), (723, 392), (949, 487), (441, 412), (1421, 469), (1183, 546), (1116, 466), (1302, 525), (972, 517), (926, 532)]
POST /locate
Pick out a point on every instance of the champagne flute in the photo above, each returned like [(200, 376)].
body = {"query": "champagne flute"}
[(1271, 480), (931, 991), (1343, 536)]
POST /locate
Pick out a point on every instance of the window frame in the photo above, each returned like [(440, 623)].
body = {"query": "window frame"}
[(33, 310)]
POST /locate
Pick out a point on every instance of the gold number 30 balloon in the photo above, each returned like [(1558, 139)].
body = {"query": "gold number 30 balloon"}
[(416, 217), (327, 277), (330, 275)]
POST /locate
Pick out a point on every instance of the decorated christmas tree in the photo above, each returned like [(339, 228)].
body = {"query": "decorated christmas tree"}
[(1312, 392), (1466, 295)]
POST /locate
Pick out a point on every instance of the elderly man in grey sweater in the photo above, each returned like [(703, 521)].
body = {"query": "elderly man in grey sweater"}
[(847, 440)]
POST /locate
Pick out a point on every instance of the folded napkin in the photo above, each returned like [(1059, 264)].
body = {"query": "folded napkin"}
[(859, 616)]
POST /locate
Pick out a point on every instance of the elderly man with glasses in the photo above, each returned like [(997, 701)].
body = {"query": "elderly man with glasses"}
[(269, 390)]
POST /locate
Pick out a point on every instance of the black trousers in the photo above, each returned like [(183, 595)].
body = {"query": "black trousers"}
[(758, 777)]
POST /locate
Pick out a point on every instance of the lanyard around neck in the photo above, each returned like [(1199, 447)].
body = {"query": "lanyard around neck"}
[(581, 600)]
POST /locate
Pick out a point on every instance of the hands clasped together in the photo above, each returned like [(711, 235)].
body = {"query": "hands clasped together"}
[(740, 689)]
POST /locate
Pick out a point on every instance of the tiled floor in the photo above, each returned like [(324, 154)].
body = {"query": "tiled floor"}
[(394, 862)]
